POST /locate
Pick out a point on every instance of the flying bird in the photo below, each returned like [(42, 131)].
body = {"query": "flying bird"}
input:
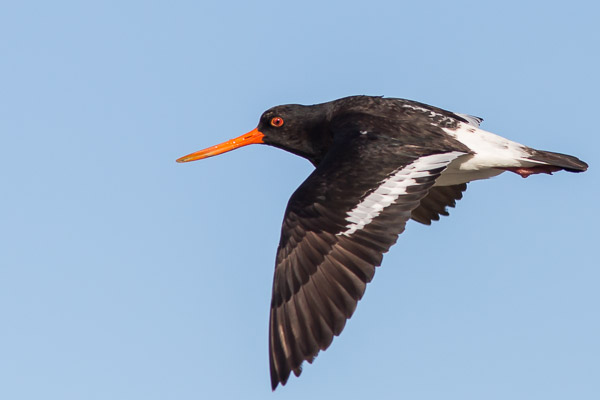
[(378, 163)]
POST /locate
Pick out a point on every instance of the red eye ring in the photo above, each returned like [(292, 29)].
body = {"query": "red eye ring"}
[(277, 121)]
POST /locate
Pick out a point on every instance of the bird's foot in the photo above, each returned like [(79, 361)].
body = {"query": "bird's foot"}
[(540, 169)]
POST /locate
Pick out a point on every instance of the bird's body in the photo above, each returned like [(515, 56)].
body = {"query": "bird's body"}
[(379, 162)]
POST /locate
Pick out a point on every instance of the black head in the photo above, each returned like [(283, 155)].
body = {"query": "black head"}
[(299, 129), (302, 130)]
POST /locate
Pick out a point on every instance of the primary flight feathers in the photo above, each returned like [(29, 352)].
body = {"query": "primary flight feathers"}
[(379, 162)]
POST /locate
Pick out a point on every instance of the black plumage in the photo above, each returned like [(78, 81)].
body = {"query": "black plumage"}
[(379, 162)]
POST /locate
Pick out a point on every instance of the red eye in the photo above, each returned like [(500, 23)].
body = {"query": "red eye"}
[(277, 122)]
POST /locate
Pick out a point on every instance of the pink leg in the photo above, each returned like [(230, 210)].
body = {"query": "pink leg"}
[(540, 169)]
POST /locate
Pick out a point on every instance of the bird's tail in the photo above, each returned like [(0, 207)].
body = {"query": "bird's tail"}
[(562, 161), (548, 162)]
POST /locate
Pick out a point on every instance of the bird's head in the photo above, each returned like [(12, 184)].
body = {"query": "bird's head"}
[(299, 129)]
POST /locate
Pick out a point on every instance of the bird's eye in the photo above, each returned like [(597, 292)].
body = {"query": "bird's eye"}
[(277, 121)]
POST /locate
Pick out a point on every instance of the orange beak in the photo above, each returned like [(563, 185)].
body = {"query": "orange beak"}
[(252, 137)]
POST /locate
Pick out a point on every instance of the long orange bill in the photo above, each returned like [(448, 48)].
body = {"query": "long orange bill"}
[(252, 137)]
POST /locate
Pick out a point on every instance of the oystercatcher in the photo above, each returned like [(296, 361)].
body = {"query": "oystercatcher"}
[(379, 162)]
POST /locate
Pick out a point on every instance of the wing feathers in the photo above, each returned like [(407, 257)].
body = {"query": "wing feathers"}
[(434, 204), (330, 245)]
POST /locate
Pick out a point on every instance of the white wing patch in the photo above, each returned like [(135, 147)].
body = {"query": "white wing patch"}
[(392, 188)]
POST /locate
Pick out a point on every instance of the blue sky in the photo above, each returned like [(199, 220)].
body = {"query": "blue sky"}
[(124, 275)]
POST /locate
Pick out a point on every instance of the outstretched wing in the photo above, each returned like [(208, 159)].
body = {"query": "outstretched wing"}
[(436, 202), (337, 226)]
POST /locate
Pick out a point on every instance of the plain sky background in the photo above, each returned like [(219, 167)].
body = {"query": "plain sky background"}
[(124, 275)]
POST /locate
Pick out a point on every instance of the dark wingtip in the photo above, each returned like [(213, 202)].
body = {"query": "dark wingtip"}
[(279, 377), (276, 380)]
